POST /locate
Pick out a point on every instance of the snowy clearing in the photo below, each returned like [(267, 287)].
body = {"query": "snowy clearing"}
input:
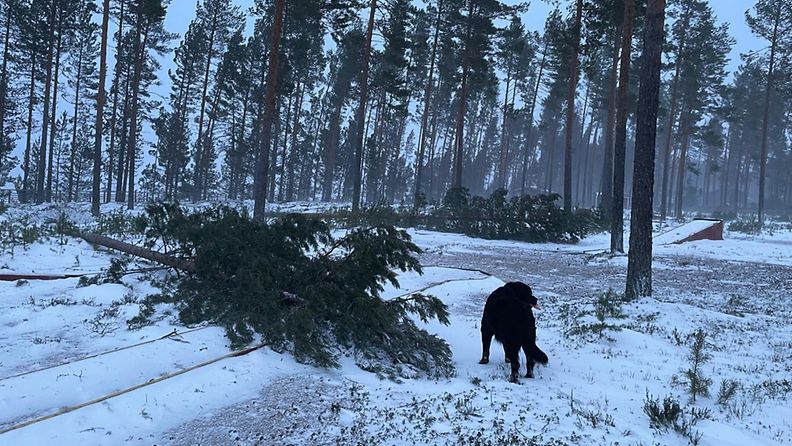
[(62, 346)]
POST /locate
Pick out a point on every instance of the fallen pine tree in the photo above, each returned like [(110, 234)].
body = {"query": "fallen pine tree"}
[(295, 285)]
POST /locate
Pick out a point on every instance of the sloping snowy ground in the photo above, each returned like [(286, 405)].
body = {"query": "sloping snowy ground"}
[(592, 392)]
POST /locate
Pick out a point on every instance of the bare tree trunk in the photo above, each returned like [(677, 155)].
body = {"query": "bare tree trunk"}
[(460, 121), (139, 52), (100, 102), (29, 134), (137, 251), (502, 166), (551, 164), (357, 174), (54, 117), (199, 144), (766, 115), (606, 203), (73, 154), (620, 143), (570, 118), (281, 169), (530, 119), (4, 76), (262, 163), (639, 263), (42, 156), (588, 174), (113, 115), (293, 150), (664, 198), (579, 165), (122, 171), (425, 115), (682, 166), (331, 153)]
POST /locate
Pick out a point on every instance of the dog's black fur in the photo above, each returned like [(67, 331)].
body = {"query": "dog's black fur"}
[(508, 317)]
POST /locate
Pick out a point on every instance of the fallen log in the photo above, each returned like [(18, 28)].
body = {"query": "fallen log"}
[(15, 277), (164, 259)]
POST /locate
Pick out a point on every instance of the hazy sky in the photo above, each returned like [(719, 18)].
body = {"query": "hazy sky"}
[(181, 12), (729, 11)]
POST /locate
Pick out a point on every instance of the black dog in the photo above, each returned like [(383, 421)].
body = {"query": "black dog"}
[(508, 317)]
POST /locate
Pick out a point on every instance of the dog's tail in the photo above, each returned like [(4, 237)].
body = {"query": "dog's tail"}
[(538, 355)]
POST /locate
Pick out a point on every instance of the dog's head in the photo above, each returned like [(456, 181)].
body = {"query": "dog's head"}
[(524, 293)]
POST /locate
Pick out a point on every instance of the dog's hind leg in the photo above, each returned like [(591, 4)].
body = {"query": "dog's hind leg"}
[(529, 363), (486, 340), (513, 355)]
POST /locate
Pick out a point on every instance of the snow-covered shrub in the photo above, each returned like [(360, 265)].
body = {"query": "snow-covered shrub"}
[(728, 389), (605, 310), (527, 218), (669, 414)]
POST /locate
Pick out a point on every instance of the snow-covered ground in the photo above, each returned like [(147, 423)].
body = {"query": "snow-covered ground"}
[(71, 372)]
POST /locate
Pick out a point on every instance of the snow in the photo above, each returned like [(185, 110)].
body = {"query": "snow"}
[(681, 232), (61, 346)]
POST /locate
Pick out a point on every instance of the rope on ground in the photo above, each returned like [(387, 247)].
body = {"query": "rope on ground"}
[(115, 350), (15, 277), (68, 409), (234, 354), (443, 282)]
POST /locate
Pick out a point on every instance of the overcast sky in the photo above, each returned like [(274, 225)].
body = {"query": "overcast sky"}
[(181, 12), (729, 11)]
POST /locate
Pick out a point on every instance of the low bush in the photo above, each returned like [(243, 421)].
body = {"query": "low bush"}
[(526, 218), (669, 414)]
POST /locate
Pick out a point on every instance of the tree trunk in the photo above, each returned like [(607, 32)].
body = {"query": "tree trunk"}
[(606, 203), (199, 146), (42, 155), (29, 127), (682, 166), (73, 154), (262, 163), (174, 262), (502, 166), (281, 169), (639, 263), (588, 173), (4, 77), (357, 174), (460, 120), (530, 119), (570, 118), (100, 102), (672, 117), (122, 171), (113, 115), (425, 115), (620, 143), (766, 116), (140, 53), (331, 154), (293, 150), (394, 175), (54, 117)]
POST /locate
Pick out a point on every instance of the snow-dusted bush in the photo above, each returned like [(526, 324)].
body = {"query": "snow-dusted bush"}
[(527, 218), (693, 379)]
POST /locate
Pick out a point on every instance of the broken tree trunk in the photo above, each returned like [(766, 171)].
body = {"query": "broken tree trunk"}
[(164, 259)]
